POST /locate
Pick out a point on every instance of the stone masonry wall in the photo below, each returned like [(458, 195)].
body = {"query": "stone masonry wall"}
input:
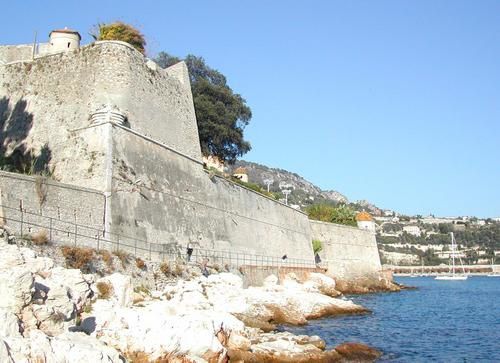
[(170, 199), (349, 252), (49, 204), (146, 180), (56, 94)]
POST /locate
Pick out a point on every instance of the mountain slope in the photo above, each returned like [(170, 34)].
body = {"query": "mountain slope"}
[(303, 192)]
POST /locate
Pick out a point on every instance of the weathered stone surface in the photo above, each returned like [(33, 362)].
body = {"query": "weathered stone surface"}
[(348, 252), (78, 285), (4, 352), (122, 288), (357, 352), (9, 323), (16, 285)]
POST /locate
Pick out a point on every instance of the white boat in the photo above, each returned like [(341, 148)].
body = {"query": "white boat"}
[(454, 275)]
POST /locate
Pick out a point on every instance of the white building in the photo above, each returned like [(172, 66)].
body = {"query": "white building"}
[(241, 173), (413, 230), (365, 221)]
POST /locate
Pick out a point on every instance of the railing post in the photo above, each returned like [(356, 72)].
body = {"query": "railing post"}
[(22, 220), (135, 248), (117, 242), (150, 251), (76, 232), (98, 237), (50, 229)]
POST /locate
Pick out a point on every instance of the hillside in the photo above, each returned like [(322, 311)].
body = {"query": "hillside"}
[(303, 192)]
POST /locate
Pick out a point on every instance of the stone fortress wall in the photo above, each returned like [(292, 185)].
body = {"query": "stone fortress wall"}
[(349, 252), (147, 165)]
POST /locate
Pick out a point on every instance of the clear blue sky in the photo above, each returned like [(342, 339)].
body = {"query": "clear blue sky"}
[(397, 102)]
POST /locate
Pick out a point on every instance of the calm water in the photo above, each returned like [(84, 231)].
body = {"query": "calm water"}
[(442, 321)]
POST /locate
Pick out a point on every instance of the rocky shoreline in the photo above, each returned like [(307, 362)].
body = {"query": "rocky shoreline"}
[(55, 314)]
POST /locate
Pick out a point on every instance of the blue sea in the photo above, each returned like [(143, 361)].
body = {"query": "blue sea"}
[(441, 321)]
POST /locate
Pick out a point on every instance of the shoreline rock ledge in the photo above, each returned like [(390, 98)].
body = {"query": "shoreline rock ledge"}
[(54, 314)]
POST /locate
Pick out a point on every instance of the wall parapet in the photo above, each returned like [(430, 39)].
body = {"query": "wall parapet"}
[(352, 228)]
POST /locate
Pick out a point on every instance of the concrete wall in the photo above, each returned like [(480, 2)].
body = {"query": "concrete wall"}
[(167, 198), (348, 252)]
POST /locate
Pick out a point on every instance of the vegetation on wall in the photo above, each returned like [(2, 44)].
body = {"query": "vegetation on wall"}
[(317, 245), (222, 115), (340, 214), (120, 31)]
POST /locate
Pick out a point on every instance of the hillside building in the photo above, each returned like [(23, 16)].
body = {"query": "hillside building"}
[(365, 221), (413, 230), (241, 174)]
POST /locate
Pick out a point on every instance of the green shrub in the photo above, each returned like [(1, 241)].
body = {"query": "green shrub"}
[(123, 32), (326, 213), (317, 245)]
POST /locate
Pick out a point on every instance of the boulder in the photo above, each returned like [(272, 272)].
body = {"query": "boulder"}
[(9, 325), (16, 285), (11, 256), (78, 285), (4, 352), (78, 347), (357, 352), (122, 288), (324, 284)]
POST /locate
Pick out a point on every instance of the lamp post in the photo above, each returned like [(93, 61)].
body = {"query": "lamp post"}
[(286, 192), (268, 182)]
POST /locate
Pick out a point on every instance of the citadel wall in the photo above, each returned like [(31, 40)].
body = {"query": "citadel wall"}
[(170, 198), (146, 174), (43, 199), (22, 52), (348, 252), (56, 95)]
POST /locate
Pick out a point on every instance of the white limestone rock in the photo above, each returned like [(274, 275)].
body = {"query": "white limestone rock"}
[(16, 286), (122, 288), (64, 348), (4, 353), (77, 284), (9, 323), (78, 347), (37, 265), (159, 327)]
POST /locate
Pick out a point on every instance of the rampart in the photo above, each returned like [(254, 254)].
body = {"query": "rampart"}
[(117, 124), (348, 252), (46, 204)]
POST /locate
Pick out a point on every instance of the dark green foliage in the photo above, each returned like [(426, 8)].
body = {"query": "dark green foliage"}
[(327, 213), (222, 115)]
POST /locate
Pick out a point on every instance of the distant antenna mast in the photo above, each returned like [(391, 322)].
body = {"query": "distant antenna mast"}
[(268, 182), (286, 192), (34, 47)]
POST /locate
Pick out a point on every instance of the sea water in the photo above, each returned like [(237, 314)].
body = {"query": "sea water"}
[(441, 321)]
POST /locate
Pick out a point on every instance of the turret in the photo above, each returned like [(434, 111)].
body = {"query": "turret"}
[(64, 39), (365, 221)]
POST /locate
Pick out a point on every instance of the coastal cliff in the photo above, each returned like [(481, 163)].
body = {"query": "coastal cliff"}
[(55, 314)]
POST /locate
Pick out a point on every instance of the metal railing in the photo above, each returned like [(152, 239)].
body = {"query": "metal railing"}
[(26, 224)]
